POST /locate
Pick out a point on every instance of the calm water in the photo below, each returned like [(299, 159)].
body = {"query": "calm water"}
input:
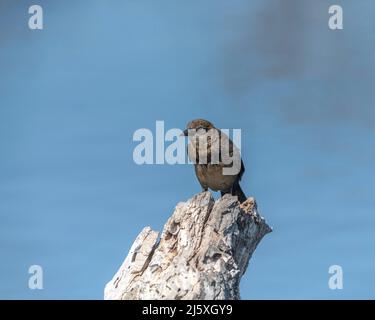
[(71, 96)]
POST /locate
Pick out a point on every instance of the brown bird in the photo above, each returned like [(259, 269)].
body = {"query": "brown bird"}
[(217, 161)]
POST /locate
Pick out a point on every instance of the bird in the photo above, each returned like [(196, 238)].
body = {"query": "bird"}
[(217, 161)]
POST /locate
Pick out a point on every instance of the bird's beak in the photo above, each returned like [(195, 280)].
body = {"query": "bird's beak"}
[(184, 133)]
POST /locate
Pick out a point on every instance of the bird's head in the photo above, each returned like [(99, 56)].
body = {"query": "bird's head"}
[(198, 126)]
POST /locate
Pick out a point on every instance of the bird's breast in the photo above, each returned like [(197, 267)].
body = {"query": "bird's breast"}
[(211, 176)]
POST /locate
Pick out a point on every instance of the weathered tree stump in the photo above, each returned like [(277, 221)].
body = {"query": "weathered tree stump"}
[(202, 253)]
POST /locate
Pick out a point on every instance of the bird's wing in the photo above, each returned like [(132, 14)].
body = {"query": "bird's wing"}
[(231, 149)]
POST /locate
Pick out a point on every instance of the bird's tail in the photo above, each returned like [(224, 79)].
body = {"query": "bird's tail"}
[(237, 191)]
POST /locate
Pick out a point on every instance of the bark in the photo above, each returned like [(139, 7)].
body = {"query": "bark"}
[(202, 253)]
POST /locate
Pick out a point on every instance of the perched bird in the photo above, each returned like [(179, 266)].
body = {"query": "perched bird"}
[(217, 161)]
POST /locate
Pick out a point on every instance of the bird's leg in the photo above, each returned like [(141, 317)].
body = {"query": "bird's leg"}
[(232, 190), (222, 192), (204, 188)]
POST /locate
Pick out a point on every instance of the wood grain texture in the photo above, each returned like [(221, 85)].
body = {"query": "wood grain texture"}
[(202, 253)]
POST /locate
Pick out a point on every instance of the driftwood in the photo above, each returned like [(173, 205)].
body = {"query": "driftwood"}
[(202, 253)]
